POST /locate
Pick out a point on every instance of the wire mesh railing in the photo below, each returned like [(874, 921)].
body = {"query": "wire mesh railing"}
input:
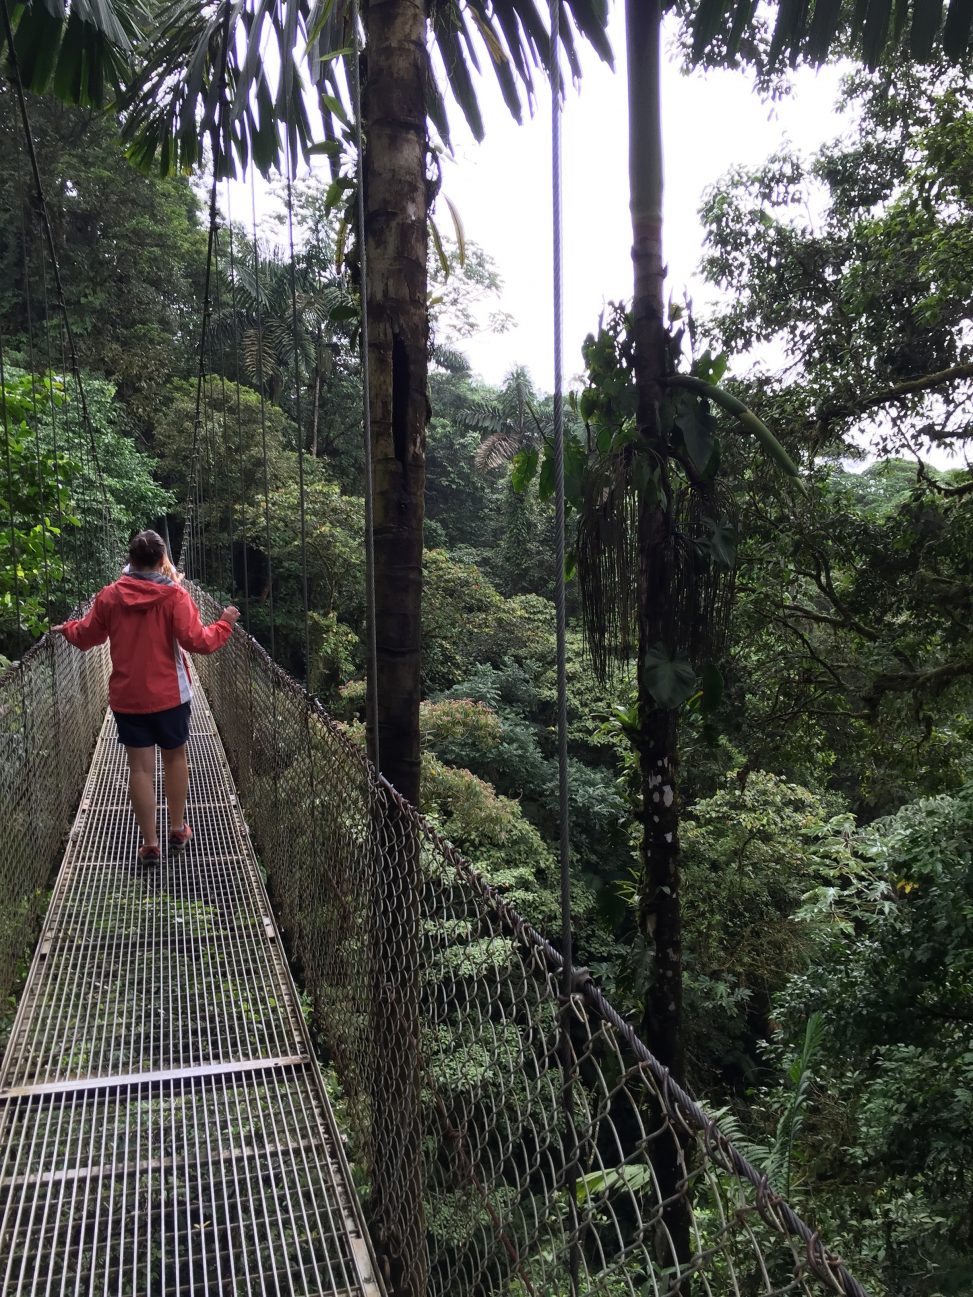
[(442, 1012), (52, 704)]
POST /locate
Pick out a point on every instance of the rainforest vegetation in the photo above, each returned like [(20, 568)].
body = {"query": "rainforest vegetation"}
[(826, 790)]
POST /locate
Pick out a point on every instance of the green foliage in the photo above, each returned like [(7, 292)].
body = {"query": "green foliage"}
[(457, 723), (62, 477), (330, 551), (670, 680), (498, 723), (892, 977), (112, 463), (130, 250), (459, 496), (231, 442), (179, 77), (36, 507), (492, 832), (81, 53), (751, 853), (776, 1159), (874, 293), (466, 621)]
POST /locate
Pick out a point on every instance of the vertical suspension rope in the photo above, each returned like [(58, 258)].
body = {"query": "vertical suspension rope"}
[(225, 439), (14, 556), (219, 151), (302, 497), (32, 362), (239, 412), (193, 496), (372, 650), (263, 416), (57, 453), (84, 459), (567, 1063)]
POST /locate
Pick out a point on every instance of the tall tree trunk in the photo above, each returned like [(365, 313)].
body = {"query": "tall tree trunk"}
[(659, 911), (396, 205), (394, 111)]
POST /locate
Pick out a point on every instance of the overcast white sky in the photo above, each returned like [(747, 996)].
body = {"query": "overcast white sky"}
[(502, 189)]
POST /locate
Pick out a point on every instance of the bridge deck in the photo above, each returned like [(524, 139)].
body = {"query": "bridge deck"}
[(163, 1125)]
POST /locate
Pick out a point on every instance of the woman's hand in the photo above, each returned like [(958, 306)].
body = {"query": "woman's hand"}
[(59, 629), (230, 614)]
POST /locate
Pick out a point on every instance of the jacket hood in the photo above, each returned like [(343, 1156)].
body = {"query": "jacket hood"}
[(146, 591)]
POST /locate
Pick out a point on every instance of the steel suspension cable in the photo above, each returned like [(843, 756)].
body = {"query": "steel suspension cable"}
[(79, 594), (87, 552), (224, 440), (302, 494), (372, 650), (219, 152), (14, 555), (239, 412), (193, 498), (564, 792), (45, 517), (263, 417)]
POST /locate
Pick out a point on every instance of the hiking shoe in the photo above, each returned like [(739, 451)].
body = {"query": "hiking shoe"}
[(149, 855), (179, 837)]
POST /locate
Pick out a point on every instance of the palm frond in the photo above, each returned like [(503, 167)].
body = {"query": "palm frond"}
[(82, 50), (258, 358), (812, 29), (180, 96), (496, 450)]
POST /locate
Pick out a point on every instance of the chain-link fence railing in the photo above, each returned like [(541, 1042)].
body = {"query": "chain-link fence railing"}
[(52, 704), (489, 1166)]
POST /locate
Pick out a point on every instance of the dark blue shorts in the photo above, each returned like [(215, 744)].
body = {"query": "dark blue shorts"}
[(168, 729)]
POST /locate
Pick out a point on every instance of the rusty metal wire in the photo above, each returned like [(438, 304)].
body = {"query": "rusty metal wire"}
[(439, 1006), (52, 704)]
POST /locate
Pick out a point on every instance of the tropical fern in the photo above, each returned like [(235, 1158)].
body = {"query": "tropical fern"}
[(776, 1159)]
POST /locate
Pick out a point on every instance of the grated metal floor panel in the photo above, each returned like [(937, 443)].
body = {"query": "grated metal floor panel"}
[(163, 1126)]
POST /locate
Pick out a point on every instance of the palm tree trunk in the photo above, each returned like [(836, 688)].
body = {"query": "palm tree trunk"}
[(396, 204), (659, 910), (394, 110)]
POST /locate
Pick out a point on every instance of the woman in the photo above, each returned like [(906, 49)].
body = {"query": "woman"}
[(149, 619)]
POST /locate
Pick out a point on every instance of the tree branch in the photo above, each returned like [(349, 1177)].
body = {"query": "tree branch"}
[(933, 681), (848, 409)]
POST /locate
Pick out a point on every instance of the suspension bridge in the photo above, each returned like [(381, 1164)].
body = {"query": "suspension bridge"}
[(164, 1125), (446, 1108)]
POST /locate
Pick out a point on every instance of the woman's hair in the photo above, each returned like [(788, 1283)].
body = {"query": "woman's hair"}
[(146, 549)]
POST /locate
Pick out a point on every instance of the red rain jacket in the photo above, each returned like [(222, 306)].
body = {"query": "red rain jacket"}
[(149, 621)]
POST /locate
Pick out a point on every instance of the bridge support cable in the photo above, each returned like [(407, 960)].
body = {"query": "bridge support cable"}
[(567, 1012), (156, 995), (494, 1156), (163, 1124), (261, 389), (372, 648)]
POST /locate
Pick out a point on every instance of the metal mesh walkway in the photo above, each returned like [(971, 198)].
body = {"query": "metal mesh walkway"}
[(163, 1126)]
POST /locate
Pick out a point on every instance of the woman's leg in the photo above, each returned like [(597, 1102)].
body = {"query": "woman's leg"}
[(177, 784), (141, 789)]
